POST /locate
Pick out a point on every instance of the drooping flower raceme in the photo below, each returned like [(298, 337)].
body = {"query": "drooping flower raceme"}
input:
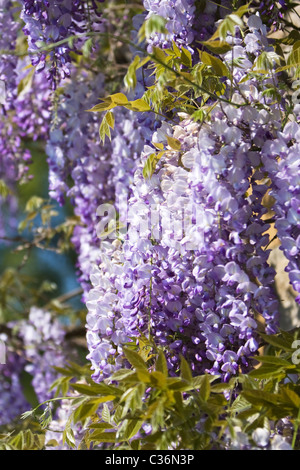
[(10, 385), (89, 173), (187, 21), (198, 292), (49, 22), (192, 272), (281, 159), (43, 339), (40, 349), (179, 16)]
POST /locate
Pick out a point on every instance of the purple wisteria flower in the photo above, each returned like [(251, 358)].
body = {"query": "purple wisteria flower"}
[(43, 339), (192, 270), (48, 22)]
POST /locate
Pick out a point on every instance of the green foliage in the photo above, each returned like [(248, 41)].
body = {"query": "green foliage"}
[(182, 412)]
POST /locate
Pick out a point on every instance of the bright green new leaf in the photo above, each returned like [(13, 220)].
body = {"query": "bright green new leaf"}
[(151, 163), (104, 130), (143, 376), (130, 80), (138, 105), (104, 106), (110, 119), (130, 77), (173, 143), (119, 99), (204, 389)]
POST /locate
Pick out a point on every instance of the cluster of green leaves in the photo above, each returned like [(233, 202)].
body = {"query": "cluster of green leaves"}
[(39, 222), (142, 407)]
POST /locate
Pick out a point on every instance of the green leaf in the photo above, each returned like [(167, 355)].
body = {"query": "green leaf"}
[(104, 130), (294, 57), (292, 397), (185, 370), (218, 66), (110, 119), (26, 82), (173, 143), (186, 57), (277, 341), (106, 104), (160, 56), (217, 47), (291, 38), (68, 436), (158, 379), (87, 47), (121, 374), (161, 363), (135, 359), (242, 10), (96, 389), (176, 49), (143, 376), (151, 163), (278, 361), (240, 404), (52, 443), (100, 426), (4, 189), (204, 389), (130, 77), (89, 408), (98, 436), (264, 61), (199, 115), (130, 428), (106, 413), (138, 105), (199, 379), (267, 372), (34, 203), (119, 99), (260, 397), (228, 25)]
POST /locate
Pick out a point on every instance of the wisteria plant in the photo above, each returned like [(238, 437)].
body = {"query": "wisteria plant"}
[(169, 135)]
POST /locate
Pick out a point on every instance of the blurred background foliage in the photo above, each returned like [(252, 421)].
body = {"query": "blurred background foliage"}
[(49, 269)]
